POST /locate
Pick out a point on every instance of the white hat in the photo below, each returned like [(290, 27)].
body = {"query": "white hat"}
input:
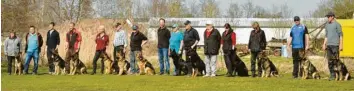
[(209, 22)]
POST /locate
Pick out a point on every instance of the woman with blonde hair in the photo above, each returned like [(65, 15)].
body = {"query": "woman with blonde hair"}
[(257, 43)]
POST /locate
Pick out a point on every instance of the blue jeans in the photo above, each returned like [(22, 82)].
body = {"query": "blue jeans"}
[(133, 68), (29, 55), (163, 59)]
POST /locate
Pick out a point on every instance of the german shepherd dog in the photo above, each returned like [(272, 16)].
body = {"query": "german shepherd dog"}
[(307, 68), (18, 65), (180, 64), (198, 65), (341, 71), (239, 67), (108, 63), (77, 64), (145, 67), (59, 63), (267, 66), (123, 65)]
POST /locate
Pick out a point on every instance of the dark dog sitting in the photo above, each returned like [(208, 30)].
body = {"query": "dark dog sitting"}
[(180, 64), (59, 63), (267, 66), (307, 68), (341, 71), (198, 66), (239, 67)]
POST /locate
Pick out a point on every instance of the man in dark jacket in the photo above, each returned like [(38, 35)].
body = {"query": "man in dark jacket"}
[(211, 48), (257, 43), (53, 40), (137, 40), (162, 44), (190, 41), (34, 42)]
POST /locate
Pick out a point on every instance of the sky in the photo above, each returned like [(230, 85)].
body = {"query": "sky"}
[(300, 8)]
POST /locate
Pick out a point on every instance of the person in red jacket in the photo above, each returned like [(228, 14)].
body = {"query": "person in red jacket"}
[(228, 44), (101, 40), (72, 46)]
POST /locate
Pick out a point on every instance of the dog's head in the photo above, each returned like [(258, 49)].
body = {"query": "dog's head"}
[(262, 55), (139, 56), (55, 55), (302, 55)]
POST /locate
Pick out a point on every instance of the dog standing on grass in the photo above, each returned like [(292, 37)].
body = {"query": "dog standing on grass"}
[(18, 65), (307, 68), (267, 66), (145, 67)]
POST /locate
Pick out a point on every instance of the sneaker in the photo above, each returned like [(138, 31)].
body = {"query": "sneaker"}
[(34, 73), (213, 75), (93, 73), (50, 73), (207, 75)]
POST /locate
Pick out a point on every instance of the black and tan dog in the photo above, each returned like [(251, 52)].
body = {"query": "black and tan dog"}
[(76, 65), (239, 67), (307, 68), (180, 64), (18, 65), (145, 67), (59, 63), (198, 65), (267, 66), (123, 65), (108, 63), (341, 71)]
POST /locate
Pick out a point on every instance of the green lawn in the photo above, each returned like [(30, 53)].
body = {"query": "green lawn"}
[(163, 83)]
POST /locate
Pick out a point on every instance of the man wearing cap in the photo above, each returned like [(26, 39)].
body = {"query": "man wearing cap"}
[(211, 48), (137, 40), (175, 43), (162, 44), (190, 41), (298, 40), (12, 49), (333, 41)]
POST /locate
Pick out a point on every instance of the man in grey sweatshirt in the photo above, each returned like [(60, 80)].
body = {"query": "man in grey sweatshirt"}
[(12, 46), (333, 42)]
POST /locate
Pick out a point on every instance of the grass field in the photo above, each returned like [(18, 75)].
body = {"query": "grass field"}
[(164, 83)]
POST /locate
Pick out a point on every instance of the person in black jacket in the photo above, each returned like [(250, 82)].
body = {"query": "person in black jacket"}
[(190, 41), (228, 43), (211, 48), (162, 44), (257, 43), (53, 40)]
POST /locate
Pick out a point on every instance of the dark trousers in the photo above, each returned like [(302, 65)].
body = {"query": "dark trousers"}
[(11, 59), (50, 60), (117, 49), (254, 57), (189, 52), (296, 62), (229, 58), (332, 51), (94, 62)]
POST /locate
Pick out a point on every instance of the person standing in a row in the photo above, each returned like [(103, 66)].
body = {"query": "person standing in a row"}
[(101, 40), (120, 43), (34, 42), (72, 46), (12, 49), (211, 48), (228, 43), (137, 40), (162, 44), (257, 43), (52, 43), (190, 41)]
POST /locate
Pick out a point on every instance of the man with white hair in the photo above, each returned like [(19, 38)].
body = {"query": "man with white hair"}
[(212, 39), (101, 44)]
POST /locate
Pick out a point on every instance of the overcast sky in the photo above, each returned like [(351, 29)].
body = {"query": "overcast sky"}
[(299, 7)]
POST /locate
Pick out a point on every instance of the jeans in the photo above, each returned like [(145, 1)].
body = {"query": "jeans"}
[(296, 62), (210, 64), (133, 68), (29, 55), (164, 60), (94, 62), (254, 56), (332, 51)]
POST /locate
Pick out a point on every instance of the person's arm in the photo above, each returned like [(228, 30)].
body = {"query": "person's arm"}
[(196, 36), (307, 39), (20, 45), (58, 40), (249, 41), (5, 46), (145, 40), (264, 40), (233, 39), (325, 40), (79, 39), (340, 33)]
